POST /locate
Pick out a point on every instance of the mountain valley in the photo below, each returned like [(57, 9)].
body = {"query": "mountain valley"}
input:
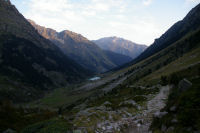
[(45, 84)]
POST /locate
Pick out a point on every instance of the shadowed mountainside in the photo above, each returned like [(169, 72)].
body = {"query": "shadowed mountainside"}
[(28, 59)]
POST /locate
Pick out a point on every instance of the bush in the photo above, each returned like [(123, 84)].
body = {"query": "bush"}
[(174, 79), (164, 80)]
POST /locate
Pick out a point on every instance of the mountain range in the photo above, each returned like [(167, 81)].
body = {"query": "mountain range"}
[(81, 50), (121, 46)]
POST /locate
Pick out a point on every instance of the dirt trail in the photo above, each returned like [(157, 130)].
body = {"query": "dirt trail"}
[(154, 105)]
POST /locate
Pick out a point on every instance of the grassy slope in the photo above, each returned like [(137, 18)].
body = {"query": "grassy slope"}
[(182, 63), (61, 97)]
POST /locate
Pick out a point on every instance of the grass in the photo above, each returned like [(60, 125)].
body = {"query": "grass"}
[(180, 64), (61, 97), (50, 126)]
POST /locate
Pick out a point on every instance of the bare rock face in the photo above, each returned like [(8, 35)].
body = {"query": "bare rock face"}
[(184, 85)]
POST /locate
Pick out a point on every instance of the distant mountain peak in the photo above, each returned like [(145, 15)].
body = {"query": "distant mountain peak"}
[(121, 46)]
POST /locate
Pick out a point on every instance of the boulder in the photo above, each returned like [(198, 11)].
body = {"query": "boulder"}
[(77, 131), (170, 129), (107, 103), (128, 102), (174, 120), (163, 128), (184, 85), (160, 114), (173, 108), (102, 108)]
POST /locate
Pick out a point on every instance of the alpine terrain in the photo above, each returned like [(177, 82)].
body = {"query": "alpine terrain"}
[(60, 82)]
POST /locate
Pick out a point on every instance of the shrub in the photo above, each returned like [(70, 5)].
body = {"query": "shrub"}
[(174, 79), (164, 80)]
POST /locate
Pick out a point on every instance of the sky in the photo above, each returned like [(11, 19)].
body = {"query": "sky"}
[(141, 21)]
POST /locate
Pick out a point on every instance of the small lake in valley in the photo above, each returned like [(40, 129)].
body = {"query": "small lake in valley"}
[(95, 78)]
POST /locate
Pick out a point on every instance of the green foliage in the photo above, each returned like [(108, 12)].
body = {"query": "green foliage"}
[(50, 126), (199, 71), (174, 79), (164, 80)]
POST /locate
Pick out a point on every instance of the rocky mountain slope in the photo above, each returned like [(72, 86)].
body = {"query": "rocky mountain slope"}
[(28, 59), (80, 49), (121, 46)]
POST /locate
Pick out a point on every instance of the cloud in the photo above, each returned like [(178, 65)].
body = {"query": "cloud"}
[(96, 18), (53, 13), (147, 2), (59, 14), (100, 7)]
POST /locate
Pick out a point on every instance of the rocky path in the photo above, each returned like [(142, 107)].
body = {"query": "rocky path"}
[(142, 121)]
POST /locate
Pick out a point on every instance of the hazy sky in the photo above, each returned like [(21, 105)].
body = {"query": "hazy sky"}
[(140, 21)]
